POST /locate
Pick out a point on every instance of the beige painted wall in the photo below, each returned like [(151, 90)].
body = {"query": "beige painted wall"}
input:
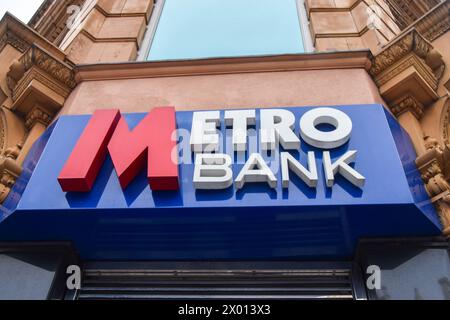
[(248, 90)]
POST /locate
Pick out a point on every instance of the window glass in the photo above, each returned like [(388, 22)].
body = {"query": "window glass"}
[(190, 29)]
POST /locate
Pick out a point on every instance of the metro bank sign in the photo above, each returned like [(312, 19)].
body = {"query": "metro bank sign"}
[(279, 183), (152, 142)]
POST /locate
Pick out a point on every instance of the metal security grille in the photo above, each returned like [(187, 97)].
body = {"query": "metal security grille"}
[(215, 284)]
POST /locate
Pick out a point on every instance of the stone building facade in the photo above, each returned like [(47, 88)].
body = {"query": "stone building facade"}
[(78, 56), (390, 52)]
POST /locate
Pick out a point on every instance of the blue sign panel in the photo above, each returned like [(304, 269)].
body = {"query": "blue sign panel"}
[(253, 223)]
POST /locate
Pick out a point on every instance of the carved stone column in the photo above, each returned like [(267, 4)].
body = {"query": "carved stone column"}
[(39, 84), (10, 170), (12, 134), (433, 166), (37, 121), (407, 73), (408, 112)]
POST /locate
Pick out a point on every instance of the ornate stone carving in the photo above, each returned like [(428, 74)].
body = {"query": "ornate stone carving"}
[(16, 72), (408, 103), (432, 166), (392, 54), (21, 36), (13, 152), (2, 131), (10, 170), (443, 207), (10, 150), (59, 70), (408, 11), (432, 143), (446, 123), (34, 74), (411, 42), (7, 181), (39, 82), (12, 39), (435, 23), (410, 60), (38, 78), (407, 73), (38, 114), (435, 62), (437, 184)]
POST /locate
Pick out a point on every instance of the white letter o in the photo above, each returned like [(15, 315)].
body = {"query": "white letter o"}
[(321, 139)]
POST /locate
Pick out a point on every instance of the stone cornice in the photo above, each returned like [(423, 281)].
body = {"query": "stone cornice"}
[(20, 36), (406, 62), (96, 37), (13, 40), (435, 23), (410, 42), (43, 60), (337, 34), (345, 8), (353, 22), (40, 12), (110, 40), (120, 14), (51, 19), (37, 65), (407, 11), (39, 77), (407, 73), (257, 64)]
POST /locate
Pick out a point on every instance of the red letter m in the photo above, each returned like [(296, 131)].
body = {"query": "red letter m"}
[(151, 141)]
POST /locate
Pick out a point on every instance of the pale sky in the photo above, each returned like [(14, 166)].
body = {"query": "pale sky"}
[(22, 9)]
